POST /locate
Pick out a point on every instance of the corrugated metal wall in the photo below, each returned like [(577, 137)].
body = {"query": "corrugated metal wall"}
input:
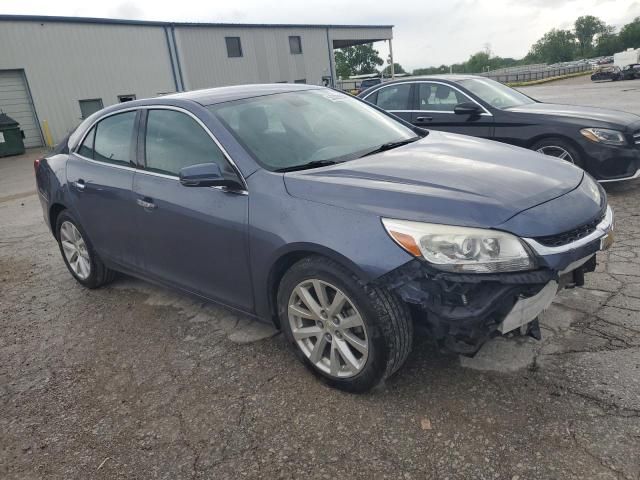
[(266, 56), (65, 62)]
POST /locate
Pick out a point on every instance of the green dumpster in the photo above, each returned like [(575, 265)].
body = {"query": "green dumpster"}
[(11, 137)]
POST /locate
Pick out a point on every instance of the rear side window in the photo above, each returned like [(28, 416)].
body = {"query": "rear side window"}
[(86, 149), (114, 139), (394, 97), (174, 140)]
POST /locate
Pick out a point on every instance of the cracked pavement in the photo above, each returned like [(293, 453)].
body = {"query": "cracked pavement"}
[(136, 381)]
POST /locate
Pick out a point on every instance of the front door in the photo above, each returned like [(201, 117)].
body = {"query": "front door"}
[(435, 110), (195, 238), (100, 176)]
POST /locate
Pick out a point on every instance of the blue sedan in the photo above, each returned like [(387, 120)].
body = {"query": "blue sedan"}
[(339, 223)]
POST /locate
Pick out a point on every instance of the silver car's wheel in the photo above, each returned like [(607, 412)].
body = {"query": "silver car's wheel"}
[(75, 250), (556, 151), (328, 328)]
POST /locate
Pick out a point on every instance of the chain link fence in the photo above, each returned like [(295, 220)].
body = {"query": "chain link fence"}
[(528, 73)]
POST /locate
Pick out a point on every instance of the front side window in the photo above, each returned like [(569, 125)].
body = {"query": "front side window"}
[(438, 97), (114, 139), (291, 129), (295, 45), (394, 97), (174, 140), (495, 93), (234, 47)]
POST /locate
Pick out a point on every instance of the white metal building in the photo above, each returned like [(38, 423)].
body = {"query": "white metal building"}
[(56, 70)]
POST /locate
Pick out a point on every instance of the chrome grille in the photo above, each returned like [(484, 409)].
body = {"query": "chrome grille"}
[(636, 138)]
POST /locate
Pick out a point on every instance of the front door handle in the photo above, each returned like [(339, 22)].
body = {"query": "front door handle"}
[(424, 119), (146, 203), (80, 184)]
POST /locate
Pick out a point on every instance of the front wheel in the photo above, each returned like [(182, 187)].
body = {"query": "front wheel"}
[(559, 148), (351, 335)]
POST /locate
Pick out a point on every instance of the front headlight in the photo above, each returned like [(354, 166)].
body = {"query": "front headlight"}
[(604, 135), (460, 249)]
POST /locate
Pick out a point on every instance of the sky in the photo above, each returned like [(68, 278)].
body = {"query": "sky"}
[(426, 32)]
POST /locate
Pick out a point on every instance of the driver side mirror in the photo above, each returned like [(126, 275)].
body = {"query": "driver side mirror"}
[(206, 175), (467, 108)]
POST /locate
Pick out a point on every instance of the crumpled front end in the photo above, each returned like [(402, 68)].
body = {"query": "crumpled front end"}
[(464, 310)]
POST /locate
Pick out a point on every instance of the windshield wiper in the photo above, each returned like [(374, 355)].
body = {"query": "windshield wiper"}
[(388, 146), (305, 166)]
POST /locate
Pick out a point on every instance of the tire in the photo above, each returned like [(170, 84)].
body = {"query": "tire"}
[(557, 144), (387, 327), (98, 274)]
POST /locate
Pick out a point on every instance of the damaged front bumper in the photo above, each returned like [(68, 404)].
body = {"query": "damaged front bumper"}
[(463, 311)]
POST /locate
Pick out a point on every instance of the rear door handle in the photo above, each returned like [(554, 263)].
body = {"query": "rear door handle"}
[(146, 203), (80, 184), (424, 119)]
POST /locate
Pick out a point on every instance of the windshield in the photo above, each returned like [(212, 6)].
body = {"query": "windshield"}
[(292, 129), (495, 94)]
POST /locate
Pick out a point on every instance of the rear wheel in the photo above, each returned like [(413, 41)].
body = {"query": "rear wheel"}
[(351, 335), (560, 148), (78, 253)]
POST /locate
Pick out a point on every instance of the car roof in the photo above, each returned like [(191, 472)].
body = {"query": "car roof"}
[(212, 96), (450, 77)]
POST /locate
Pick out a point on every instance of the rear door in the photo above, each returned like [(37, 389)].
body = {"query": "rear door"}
[(195, 238), (100, 176), (435, 104), (396, 98)]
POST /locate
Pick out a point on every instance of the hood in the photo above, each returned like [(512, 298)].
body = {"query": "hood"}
[(443, 178), (614, 117)]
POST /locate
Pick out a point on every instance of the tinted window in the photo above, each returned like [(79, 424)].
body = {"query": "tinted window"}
[(86, 149), (494, 93), (114, 139), (175, 140), (295, 45), (234, 48), (439, 97), (394, 97)]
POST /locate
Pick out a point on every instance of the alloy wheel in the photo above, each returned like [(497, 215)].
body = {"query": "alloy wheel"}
[(328, 328), (556, 151), (75, 250)]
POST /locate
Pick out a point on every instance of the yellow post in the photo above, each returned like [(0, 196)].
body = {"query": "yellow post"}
[(48, 139)]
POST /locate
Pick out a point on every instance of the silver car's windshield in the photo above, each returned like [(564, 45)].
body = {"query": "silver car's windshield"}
[(495, 93), (319, 126)]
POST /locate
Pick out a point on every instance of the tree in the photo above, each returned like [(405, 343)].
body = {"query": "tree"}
[(586, 28), (630, 35), (358, 60), (478, 62), (607, 43), (397, 68), (555, 46)]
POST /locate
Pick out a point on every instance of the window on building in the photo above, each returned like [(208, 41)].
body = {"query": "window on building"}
[(175, 140), (114, 139), (234, 48), (126, 98), (302, 80), (295, 45), (90, 106)]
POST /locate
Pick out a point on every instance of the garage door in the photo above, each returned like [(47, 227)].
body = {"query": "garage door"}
[(15, 102)]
